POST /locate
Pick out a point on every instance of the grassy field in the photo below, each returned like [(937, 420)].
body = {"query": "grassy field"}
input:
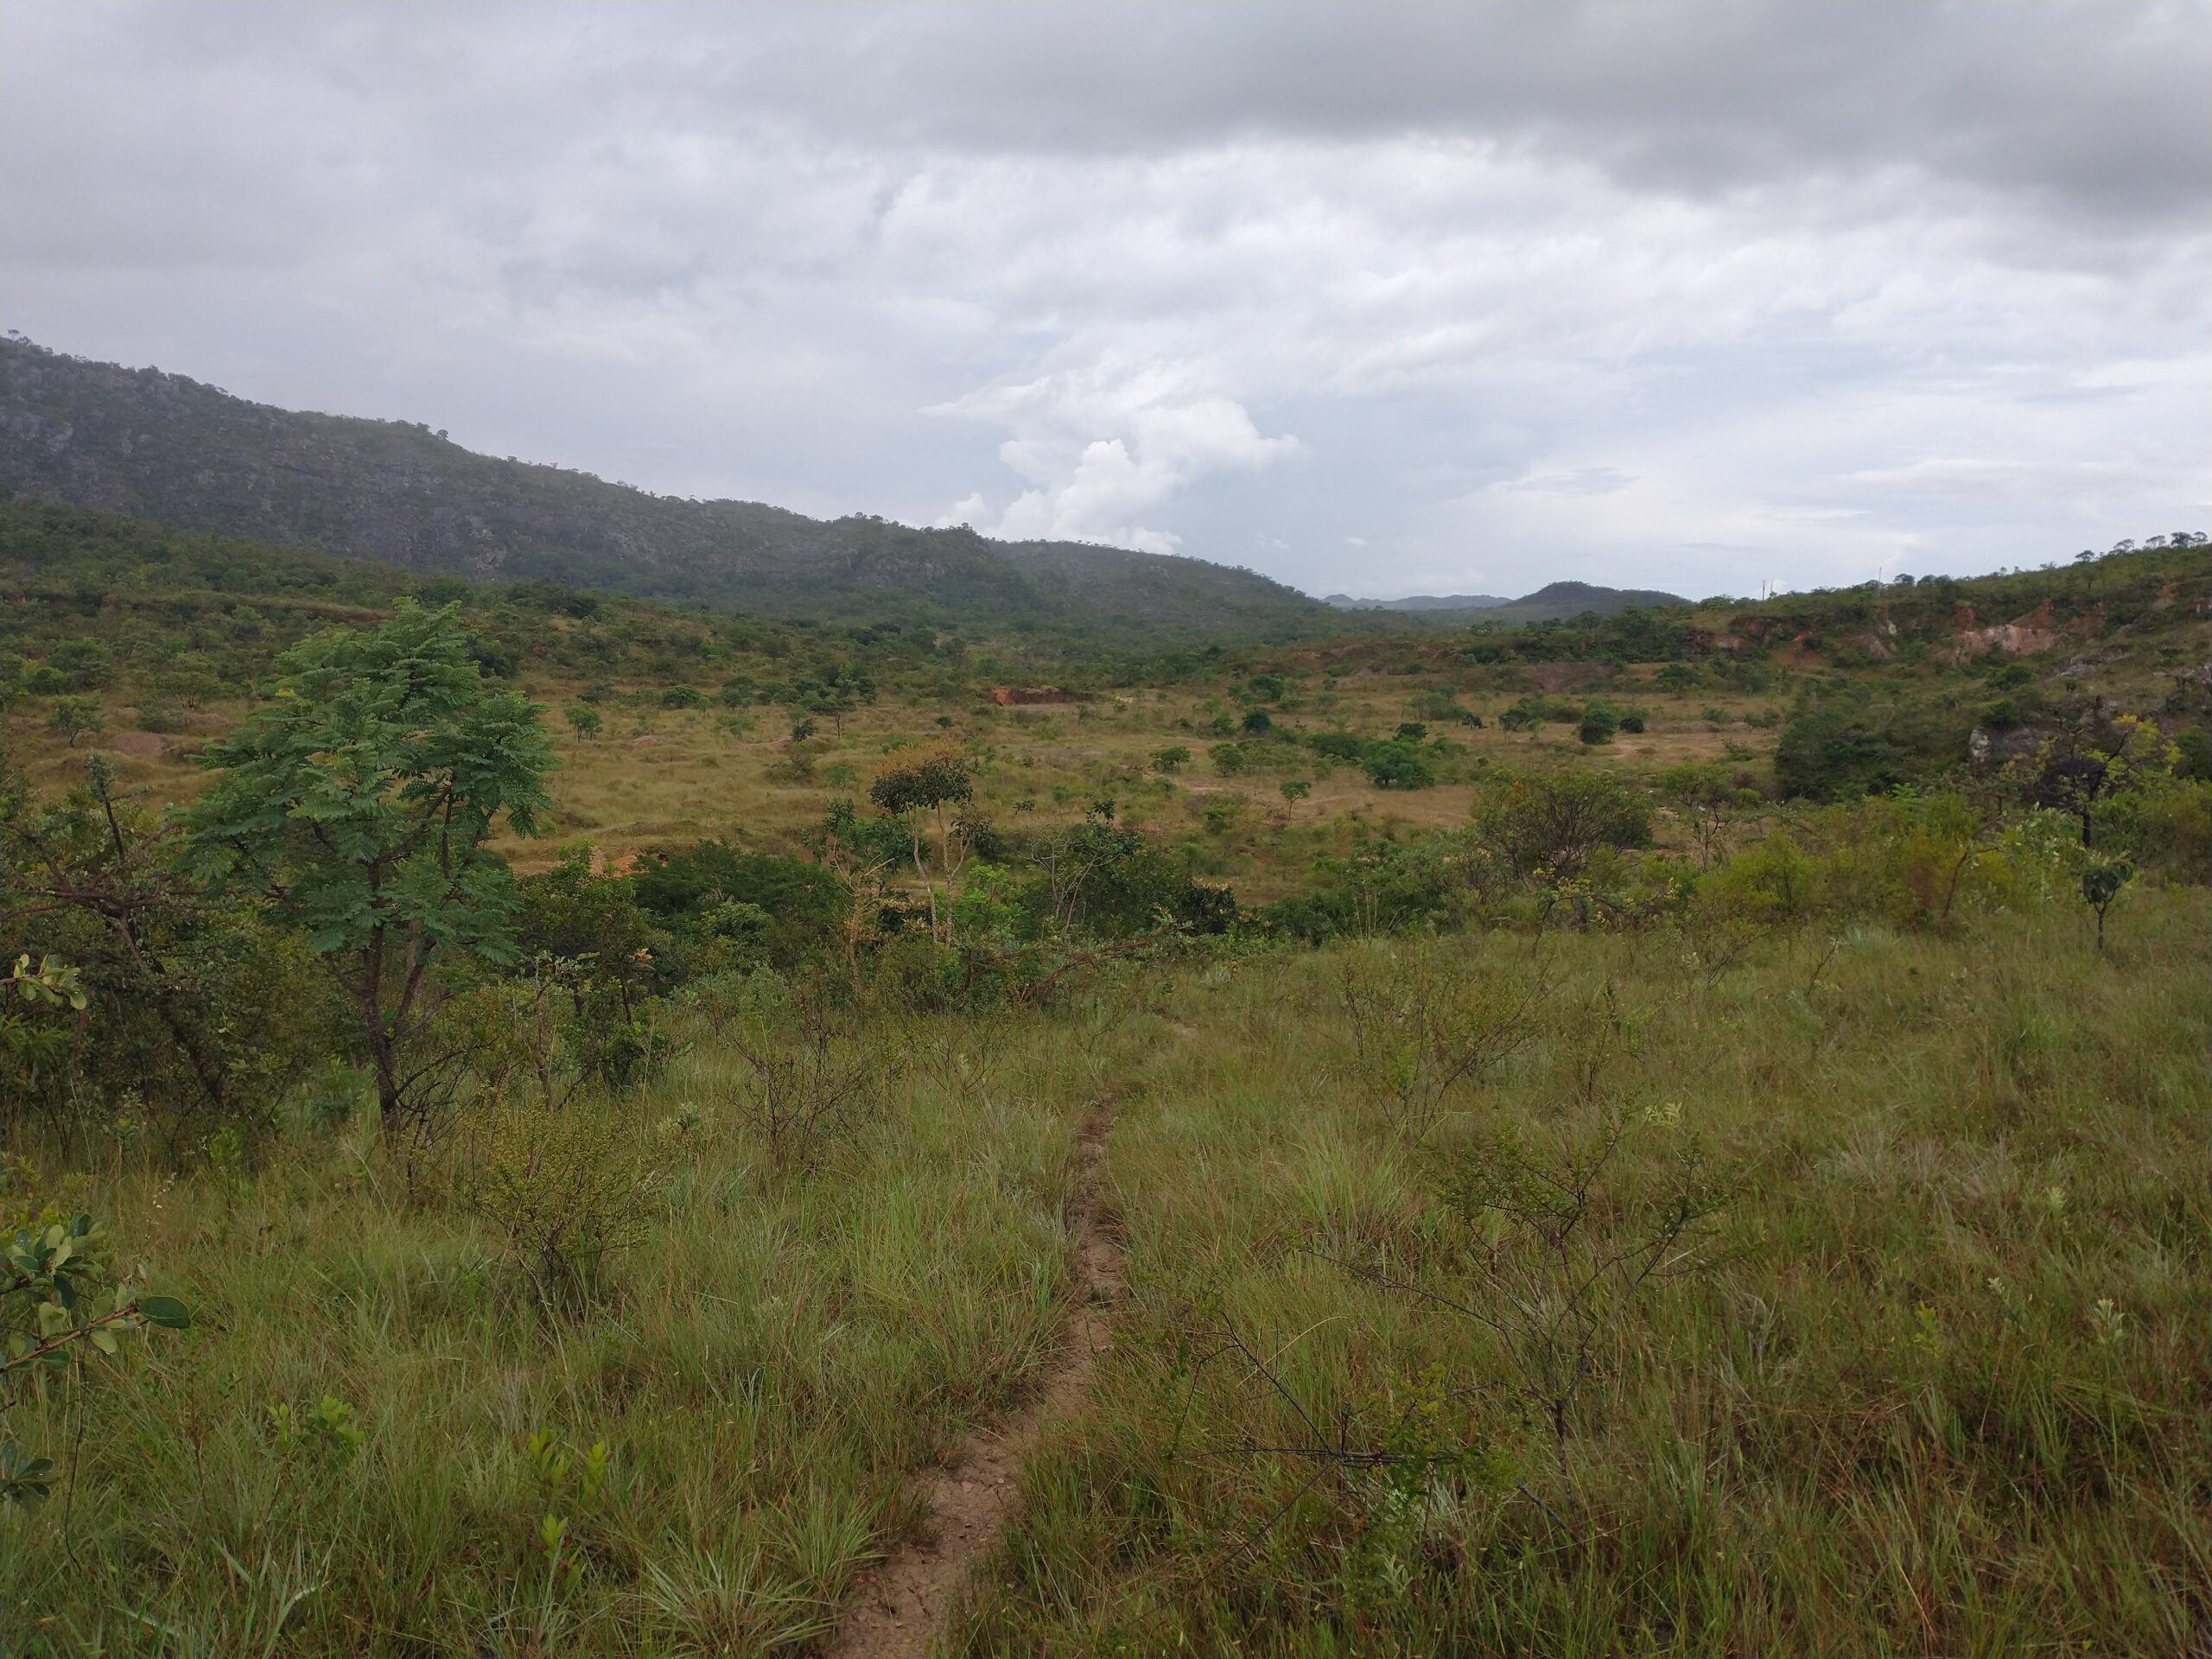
[(656, 776), (1927, 1373), (1563, 1206)]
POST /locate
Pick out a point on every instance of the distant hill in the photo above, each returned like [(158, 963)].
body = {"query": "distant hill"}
[(158, 446), (1554, 602), (1420, 603)]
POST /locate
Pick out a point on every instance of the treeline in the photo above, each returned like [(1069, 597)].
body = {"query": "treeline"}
[(99, 603)]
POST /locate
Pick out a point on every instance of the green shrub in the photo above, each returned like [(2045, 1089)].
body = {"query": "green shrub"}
[(1555, 820), (561, 1189), (1397, 765), (1600, 722)]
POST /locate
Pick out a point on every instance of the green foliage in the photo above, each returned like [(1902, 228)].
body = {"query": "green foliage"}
[(1398, 764), (63, 1302), (1600, 722), (75, 717), (1842, 741), (1556, 822), (713, 909), (2104, 879), (1382, 887), (561, 1189), (356, 804), (200, 1014), (328, 1430)]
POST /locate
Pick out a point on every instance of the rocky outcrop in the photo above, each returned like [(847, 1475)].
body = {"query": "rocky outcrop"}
[(2027, 636)]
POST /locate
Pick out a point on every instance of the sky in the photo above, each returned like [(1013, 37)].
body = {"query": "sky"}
[(1380, 299)]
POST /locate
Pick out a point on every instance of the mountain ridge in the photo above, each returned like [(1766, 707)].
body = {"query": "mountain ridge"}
[(164, 447)]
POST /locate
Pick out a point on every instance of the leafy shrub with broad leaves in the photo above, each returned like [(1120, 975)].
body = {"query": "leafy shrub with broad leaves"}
[(63, 1310)]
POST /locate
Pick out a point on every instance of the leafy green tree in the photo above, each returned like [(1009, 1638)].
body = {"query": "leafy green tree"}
[(2103, 879), (929, 784), (1166, 760), (584, 720), (76, 717), (1294, 789), (1555, 820), (358, 802), (1397, 765)]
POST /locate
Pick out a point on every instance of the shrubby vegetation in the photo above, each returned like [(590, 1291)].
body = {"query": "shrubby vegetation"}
[(1685, 1203)]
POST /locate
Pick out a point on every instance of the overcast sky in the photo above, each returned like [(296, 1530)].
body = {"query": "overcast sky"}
[(1386, 299)]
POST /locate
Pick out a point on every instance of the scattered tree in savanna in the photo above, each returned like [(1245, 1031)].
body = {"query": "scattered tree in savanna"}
[(1167, 760), (584, 720), (1707, 802), (75, 717), (1555, 820), (1294, 790), (356, 803), (813, 1074), (2104, 878), (1398, 764), (2078, 770), (845, 687), (930, 784)]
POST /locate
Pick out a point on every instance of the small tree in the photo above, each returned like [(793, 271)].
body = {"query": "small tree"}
[(1166, 760), (1294, 789), (1397, 765), (1705, 801), (929, 784), (2103, 879), (1556, 822), (76, 717), (358, 801), (584, 720)]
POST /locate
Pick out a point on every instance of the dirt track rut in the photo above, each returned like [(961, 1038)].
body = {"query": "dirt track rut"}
[(901, 1604)]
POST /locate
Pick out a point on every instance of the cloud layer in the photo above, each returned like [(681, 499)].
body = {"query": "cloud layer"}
[(1381, 299)]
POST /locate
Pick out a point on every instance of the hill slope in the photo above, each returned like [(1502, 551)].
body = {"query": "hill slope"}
[(161, 446), (1554, 602)]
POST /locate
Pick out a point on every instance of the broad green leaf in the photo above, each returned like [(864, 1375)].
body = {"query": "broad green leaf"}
[(166, 1311)]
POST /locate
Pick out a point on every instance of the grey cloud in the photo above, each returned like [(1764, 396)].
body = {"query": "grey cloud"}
[(1576, 288)]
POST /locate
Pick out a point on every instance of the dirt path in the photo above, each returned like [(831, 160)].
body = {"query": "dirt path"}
[(899, 1606)]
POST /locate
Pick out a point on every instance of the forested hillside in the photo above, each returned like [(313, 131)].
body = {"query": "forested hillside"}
[(162, 447)]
